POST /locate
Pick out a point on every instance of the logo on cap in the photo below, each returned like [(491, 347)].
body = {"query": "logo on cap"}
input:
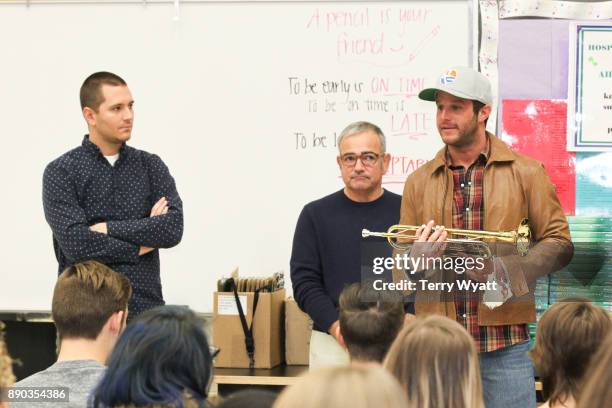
[(449, 77)]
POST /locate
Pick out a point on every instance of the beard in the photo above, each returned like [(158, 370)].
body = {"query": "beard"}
[(466, 136)]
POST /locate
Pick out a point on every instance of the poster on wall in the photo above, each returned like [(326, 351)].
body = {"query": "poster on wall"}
[(589, 107), (536, 128)]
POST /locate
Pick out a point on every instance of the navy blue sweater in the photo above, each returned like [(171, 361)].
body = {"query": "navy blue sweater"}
[(326, 253)]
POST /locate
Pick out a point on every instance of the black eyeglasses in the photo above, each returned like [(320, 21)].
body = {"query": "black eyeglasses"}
[(367, 159)]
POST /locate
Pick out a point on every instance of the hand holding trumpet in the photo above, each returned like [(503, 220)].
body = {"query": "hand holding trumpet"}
[(429, 233), (429, 241)]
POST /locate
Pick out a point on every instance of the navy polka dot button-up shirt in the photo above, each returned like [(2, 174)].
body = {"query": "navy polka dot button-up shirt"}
[(81, 188)]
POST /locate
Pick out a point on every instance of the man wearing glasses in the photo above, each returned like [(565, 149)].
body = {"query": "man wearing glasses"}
[(326, 252)]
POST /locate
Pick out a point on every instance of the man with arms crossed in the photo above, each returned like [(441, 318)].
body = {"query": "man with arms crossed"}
[(109, 202), (476, 182), (326, 252)]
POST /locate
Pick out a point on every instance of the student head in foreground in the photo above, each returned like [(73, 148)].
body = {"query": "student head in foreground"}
[(354, 386), (567, 337), (6, 367), (162, 359), (368, 323), (597, 392), (435, 360), (89, 309)]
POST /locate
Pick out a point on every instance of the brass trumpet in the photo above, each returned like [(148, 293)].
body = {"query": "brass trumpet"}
[(521, 237)]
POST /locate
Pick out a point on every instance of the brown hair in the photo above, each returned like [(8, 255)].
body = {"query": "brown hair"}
[(567, 336), (435, 360), (476, 107), (91, 90), (86, 295), (597, 392), (355, 386), (368, 324), (6, 363)]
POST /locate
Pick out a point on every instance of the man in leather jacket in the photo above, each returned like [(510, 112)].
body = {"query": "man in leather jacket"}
[(477, 182)]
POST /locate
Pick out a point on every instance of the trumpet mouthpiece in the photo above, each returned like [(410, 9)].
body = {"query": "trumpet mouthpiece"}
[(365, 233)]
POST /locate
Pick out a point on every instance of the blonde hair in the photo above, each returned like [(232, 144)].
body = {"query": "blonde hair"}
[(7, 378), (435, 360), (357, 386), (597, 392)]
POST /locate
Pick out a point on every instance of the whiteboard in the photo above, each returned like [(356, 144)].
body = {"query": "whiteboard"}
[(243, 102)]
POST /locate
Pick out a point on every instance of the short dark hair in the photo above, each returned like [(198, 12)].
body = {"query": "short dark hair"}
[(162, 358), (91, 90), (567, 337), (86, 294), (476, 107), (368, 324)]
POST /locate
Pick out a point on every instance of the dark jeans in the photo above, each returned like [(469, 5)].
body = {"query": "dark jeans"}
[(508, 377)]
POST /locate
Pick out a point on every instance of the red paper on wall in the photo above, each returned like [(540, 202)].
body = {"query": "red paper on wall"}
[(537, 128)]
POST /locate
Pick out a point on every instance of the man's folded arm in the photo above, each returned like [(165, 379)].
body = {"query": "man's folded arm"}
[(69, 224), (161, 231)]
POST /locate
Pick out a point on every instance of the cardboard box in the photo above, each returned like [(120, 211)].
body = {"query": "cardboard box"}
[(268, 329), (298, 327)]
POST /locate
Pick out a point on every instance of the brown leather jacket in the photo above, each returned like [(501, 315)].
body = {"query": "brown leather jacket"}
[(515, 187)]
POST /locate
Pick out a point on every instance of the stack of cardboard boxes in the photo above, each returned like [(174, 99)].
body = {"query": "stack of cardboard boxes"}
[(281, 331)]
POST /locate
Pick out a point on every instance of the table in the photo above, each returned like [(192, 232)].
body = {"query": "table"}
[(229, 380)]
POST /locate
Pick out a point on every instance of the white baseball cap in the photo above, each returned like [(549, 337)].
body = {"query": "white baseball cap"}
[(462, 82)]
